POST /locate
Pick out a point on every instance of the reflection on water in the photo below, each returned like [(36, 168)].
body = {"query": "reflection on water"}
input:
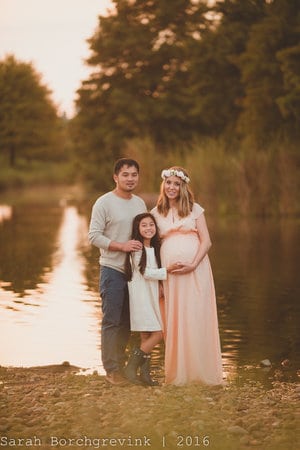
[(255, 266), (57, 319), (50, 309), (5, 212)]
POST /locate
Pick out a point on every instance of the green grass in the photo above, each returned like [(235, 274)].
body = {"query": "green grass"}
[(34, 173)]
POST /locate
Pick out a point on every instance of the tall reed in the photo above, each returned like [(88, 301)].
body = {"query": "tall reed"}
[(238, 181)]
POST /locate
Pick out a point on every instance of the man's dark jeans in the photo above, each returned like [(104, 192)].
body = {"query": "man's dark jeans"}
[(115, 330)]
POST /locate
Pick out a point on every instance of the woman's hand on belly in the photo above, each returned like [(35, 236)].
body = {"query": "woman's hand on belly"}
[(173, 267), (180, 268)]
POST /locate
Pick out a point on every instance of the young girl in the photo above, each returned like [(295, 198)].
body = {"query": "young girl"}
[(144, 272)]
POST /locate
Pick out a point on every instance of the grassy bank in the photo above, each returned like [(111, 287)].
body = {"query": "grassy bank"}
[(34, 174)]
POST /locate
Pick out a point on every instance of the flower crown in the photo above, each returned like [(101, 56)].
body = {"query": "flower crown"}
[(174, 172)]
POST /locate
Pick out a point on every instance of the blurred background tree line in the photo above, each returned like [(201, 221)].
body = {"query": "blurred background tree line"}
[(212, 86)]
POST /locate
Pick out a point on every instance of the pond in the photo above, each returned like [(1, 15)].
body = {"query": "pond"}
[(50, 308)]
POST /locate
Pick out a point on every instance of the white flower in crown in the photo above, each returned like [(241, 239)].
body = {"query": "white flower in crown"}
[(174, 172)]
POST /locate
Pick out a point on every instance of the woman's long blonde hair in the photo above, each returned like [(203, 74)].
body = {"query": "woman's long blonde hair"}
[(185, 200)]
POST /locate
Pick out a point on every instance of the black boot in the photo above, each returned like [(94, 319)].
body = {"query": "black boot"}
[(145, 376), (135, 360)]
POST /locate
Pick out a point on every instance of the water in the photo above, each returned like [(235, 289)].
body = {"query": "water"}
[(50, 309), (48, 314), (256, 272)]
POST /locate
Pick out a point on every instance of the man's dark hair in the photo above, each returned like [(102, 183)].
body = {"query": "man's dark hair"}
[(125, 162)]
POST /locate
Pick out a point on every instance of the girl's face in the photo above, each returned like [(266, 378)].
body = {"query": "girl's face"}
[(147, 228), (172, 187)]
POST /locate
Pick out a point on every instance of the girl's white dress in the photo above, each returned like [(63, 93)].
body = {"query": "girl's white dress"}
[(144, 293)]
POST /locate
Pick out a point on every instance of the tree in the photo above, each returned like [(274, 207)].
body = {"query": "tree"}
[(289, 101), (140, 82), (215, 78), (270, 73), (142, 54), (172, 74), (28, 120)]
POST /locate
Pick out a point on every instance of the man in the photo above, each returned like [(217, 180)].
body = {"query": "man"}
[(110, 230)]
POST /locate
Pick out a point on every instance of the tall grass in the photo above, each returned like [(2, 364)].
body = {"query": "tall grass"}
[(243, 180), (237, 181)]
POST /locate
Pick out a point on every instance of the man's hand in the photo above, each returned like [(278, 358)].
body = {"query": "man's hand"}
[(129, 246), (132, 246)]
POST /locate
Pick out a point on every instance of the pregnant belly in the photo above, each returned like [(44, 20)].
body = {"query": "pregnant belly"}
[(179, 247)]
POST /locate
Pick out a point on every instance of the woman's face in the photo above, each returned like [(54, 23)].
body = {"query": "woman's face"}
[(172, 187), (147, 228)]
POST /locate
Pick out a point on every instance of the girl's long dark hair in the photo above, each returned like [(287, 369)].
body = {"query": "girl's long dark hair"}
[(155, 243)]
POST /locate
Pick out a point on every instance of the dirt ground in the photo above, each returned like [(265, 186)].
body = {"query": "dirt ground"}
[(54, 407)]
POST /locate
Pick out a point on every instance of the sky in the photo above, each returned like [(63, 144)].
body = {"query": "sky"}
[(51, 34)]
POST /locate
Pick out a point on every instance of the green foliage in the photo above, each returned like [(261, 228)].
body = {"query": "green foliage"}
[(139, 88), (35, 173), (195, 70), (215, 80), (28, 120), (289, 101), (270, 75)]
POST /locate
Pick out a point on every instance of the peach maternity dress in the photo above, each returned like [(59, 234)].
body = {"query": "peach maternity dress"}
[(192, 343)]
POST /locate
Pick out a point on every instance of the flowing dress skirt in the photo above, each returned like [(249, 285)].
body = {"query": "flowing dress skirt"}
[(192, 343)]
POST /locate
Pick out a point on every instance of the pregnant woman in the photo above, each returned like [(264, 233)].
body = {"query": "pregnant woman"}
[(192, 343)]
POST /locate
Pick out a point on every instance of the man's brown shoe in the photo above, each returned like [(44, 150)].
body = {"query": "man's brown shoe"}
[(116, 379)]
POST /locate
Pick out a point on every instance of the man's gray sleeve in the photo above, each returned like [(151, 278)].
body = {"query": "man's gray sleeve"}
[(97, 226)]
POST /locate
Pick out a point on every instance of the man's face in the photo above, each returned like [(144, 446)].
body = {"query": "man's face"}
[(127, 179)]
